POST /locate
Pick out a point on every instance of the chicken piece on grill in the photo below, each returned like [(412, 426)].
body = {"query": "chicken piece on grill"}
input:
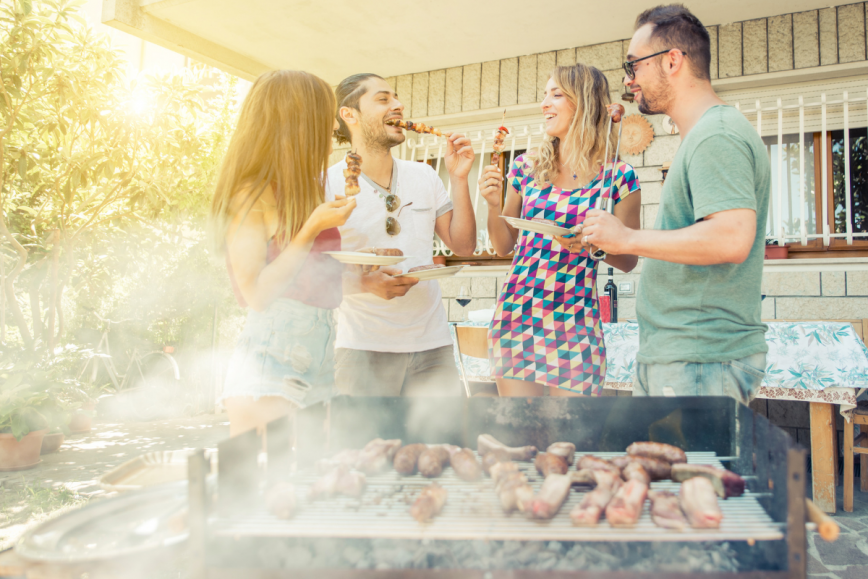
[(666, 510), (377, 455), (501, 470), (587, 476), (492, 458), (434, 459), (485, 443), (657, 469), (592, 462), (547, 463), (514, 492), (342, 481), (465, 465), (726, 483), (699, 503), (345, 457), (407, 458), (281, 500), (635, 471), (626, 506), (550, 498), (429, 503), (659, 450), (593, 505), (565, 450)]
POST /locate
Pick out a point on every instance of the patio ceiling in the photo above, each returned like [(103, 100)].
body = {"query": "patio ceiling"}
[(336, 38)]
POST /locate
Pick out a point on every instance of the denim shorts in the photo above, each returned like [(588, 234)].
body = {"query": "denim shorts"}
[(286, 350), (739, 379)]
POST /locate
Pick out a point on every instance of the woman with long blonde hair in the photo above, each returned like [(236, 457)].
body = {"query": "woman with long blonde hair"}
[(546, 335), (272, 217)]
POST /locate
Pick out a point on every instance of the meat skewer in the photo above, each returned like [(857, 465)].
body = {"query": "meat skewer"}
[(499, 136), (659, 450), (726, 483), (465, 464), (606, 201), (626, 506), (429, 503), (485, 443), (593, 505), (566, 450), (351, 174), (417, 127), (547, 463), (699, 502), (666, 510)]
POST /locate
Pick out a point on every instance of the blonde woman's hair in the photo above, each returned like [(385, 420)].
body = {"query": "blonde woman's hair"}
[(588, 90), (283, 139)]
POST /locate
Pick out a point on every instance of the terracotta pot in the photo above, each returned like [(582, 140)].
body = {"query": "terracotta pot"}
[(440, 259), (777, 251), (51, 442), (20, 454), (80, 422)]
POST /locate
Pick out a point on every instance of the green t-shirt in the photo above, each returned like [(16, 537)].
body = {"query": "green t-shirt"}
[(690, 313)]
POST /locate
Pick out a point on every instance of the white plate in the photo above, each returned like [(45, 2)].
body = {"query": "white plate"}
[(363, 258), (536, 226), (435, 273)]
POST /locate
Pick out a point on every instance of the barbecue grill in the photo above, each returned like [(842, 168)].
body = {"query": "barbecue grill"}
[(233, 534)]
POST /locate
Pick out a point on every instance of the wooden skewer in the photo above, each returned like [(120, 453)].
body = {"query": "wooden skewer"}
[(826, 525)]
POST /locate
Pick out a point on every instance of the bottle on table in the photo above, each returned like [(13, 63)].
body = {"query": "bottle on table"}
[(612, 292)]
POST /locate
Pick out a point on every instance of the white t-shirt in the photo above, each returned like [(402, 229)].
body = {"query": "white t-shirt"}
[(416, 321)]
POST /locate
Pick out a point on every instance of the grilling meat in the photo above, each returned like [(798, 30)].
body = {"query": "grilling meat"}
[(281, 500), (587, 476), (547, 463), (635, 471), (699, 502), (726, 483), (565, 450), (465, 465), (657, 469), (551, 496), (417, 127), (667, 452), (499, 136), (666, 510), (351, 174), (514, 492), (342, 481), (345, 457), (434, 459), (592, 462), (407, 457), (485, 443), (492, 458), (626, 506), (588, 512), (616, 111), (377, 455), (429, 503), (501, 470)]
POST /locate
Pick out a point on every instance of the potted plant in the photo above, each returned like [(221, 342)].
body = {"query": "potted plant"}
[(775, 251), (31, 403)]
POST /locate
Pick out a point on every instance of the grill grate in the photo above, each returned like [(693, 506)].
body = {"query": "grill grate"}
[(472, 512)]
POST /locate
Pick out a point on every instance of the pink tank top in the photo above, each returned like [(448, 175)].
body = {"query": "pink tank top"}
[(318, 282)]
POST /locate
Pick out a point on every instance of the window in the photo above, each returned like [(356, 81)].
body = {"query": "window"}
[(858, 182)]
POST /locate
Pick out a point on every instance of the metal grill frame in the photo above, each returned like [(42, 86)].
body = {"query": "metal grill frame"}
[(773, 464)]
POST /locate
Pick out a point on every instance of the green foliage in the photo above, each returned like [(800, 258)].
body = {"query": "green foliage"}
[(104, 182)]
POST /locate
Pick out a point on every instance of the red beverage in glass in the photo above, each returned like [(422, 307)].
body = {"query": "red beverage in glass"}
[(605, 304)]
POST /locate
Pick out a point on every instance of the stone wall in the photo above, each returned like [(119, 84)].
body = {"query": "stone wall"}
[(790, 41)]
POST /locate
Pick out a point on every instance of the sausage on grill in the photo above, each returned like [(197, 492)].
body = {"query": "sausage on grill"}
[(407, 458), (433, 460), (667, 452)]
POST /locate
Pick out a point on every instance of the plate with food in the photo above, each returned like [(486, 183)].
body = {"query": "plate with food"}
[(373, 257), (433, 271), (543, 226)]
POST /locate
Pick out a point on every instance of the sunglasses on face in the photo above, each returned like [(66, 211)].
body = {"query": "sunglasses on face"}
[(629, 66), (392, 225)]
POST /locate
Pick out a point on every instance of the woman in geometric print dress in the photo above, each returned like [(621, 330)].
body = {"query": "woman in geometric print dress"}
[(546, 336)]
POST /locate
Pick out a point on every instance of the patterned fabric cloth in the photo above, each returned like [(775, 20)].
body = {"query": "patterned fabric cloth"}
[(546, 327)]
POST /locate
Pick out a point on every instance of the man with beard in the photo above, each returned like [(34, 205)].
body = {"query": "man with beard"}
[(699, 292), (392, 333)]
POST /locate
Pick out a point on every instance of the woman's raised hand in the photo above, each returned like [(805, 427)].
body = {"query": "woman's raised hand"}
[(574, 244), (491, 187), (331, 214)]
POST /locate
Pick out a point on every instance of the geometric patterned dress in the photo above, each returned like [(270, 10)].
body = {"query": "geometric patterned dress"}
[(546, 327)]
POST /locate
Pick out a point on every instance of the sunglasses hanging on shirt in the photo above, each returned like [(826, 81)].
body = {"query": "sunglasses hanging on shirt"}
[(392, 226)]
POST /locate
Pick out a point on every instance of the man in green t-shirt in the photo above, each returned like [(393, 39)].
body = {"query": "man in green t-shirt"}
[(700, 331)]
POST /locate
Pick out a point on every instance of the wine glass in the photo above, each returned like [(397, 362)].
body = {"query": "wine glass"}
[(463, 300)]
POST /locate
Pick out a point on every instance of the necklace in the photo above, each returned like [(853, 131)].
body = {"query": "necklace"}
[(574, 175)]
